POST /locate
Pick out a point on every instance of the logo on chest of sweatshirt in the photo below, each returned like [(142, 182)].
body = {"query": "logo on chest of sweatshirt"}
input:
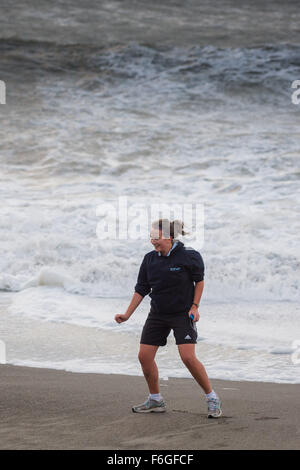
[(175, 268)]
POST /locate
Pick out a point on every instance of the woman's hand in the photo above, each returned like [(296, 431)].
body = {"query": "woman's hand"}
[(194, 311), (120, 318), (135, 302)]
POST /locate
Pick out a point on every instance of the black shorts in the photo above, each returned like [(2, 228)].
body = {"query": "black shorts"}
[(157, 328)]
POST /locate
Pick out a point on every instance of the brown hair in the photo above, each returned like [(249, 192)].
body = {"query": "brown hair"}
[(170, 229)]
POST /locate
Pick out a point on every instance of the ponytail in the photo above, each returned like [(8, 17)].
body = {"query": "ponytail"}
[(170, 229)]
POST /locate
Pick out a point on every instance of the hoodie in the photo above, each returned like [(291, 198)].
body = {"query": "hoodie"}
[(170, 280)]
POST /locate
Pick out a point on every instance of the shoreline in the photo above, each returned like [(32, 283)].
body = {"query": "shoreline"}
[(162, 379), (55, 409), (90, 348)]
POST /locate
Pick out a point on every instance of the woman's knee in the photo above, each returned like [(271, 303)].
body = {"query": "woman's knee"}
[(146, 355), (188, 354), (143, 358), (189, 359)]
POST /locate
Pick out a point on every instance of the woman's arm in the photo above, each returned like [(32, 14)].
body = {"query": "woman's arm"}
[(135, 302), (142, 288), (197, 296), (198, 292)]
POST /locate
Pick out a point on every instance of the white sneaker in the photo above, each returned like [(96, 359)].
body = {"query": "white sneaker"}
[(214, 407), (150, 406)]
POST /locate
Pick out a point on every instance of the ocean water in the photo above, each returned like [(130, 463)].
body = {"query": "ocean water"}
[(162, 103)]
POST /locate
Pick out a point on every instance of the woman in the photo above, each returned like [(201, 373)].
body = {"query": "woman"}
[(173, 277)]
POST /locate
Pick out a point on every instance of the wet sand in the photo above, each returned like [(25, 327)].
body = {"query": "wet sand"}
[(51, 409)]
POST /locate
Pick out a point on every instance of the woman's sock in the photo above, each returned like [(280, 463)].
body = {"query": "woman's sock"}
[(155, 396), (212, 394)]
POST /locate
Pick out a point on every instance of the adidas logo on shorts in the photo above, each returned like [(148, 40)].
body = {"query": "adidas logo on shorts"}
[(187, 337)]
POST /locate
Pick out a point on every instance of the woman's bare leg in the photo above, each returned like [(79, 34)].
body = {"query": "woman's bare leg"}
[(149, 367), (196, 368)]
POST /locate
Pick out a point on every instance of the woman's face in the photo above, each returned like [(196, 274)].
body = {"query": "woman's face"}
[(157, 240)]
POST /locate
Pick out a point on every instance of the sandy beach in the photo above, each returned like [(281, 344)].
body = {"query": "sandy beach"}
[(51, 409)]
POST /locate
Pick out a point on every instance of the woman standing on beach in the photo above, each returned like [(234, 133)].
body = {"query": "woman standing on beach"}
[(173, 276)]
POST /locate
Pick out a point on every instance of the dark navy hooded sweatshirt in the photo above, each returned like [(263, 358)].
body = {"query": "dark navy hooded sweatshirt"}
[(170, 280)]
